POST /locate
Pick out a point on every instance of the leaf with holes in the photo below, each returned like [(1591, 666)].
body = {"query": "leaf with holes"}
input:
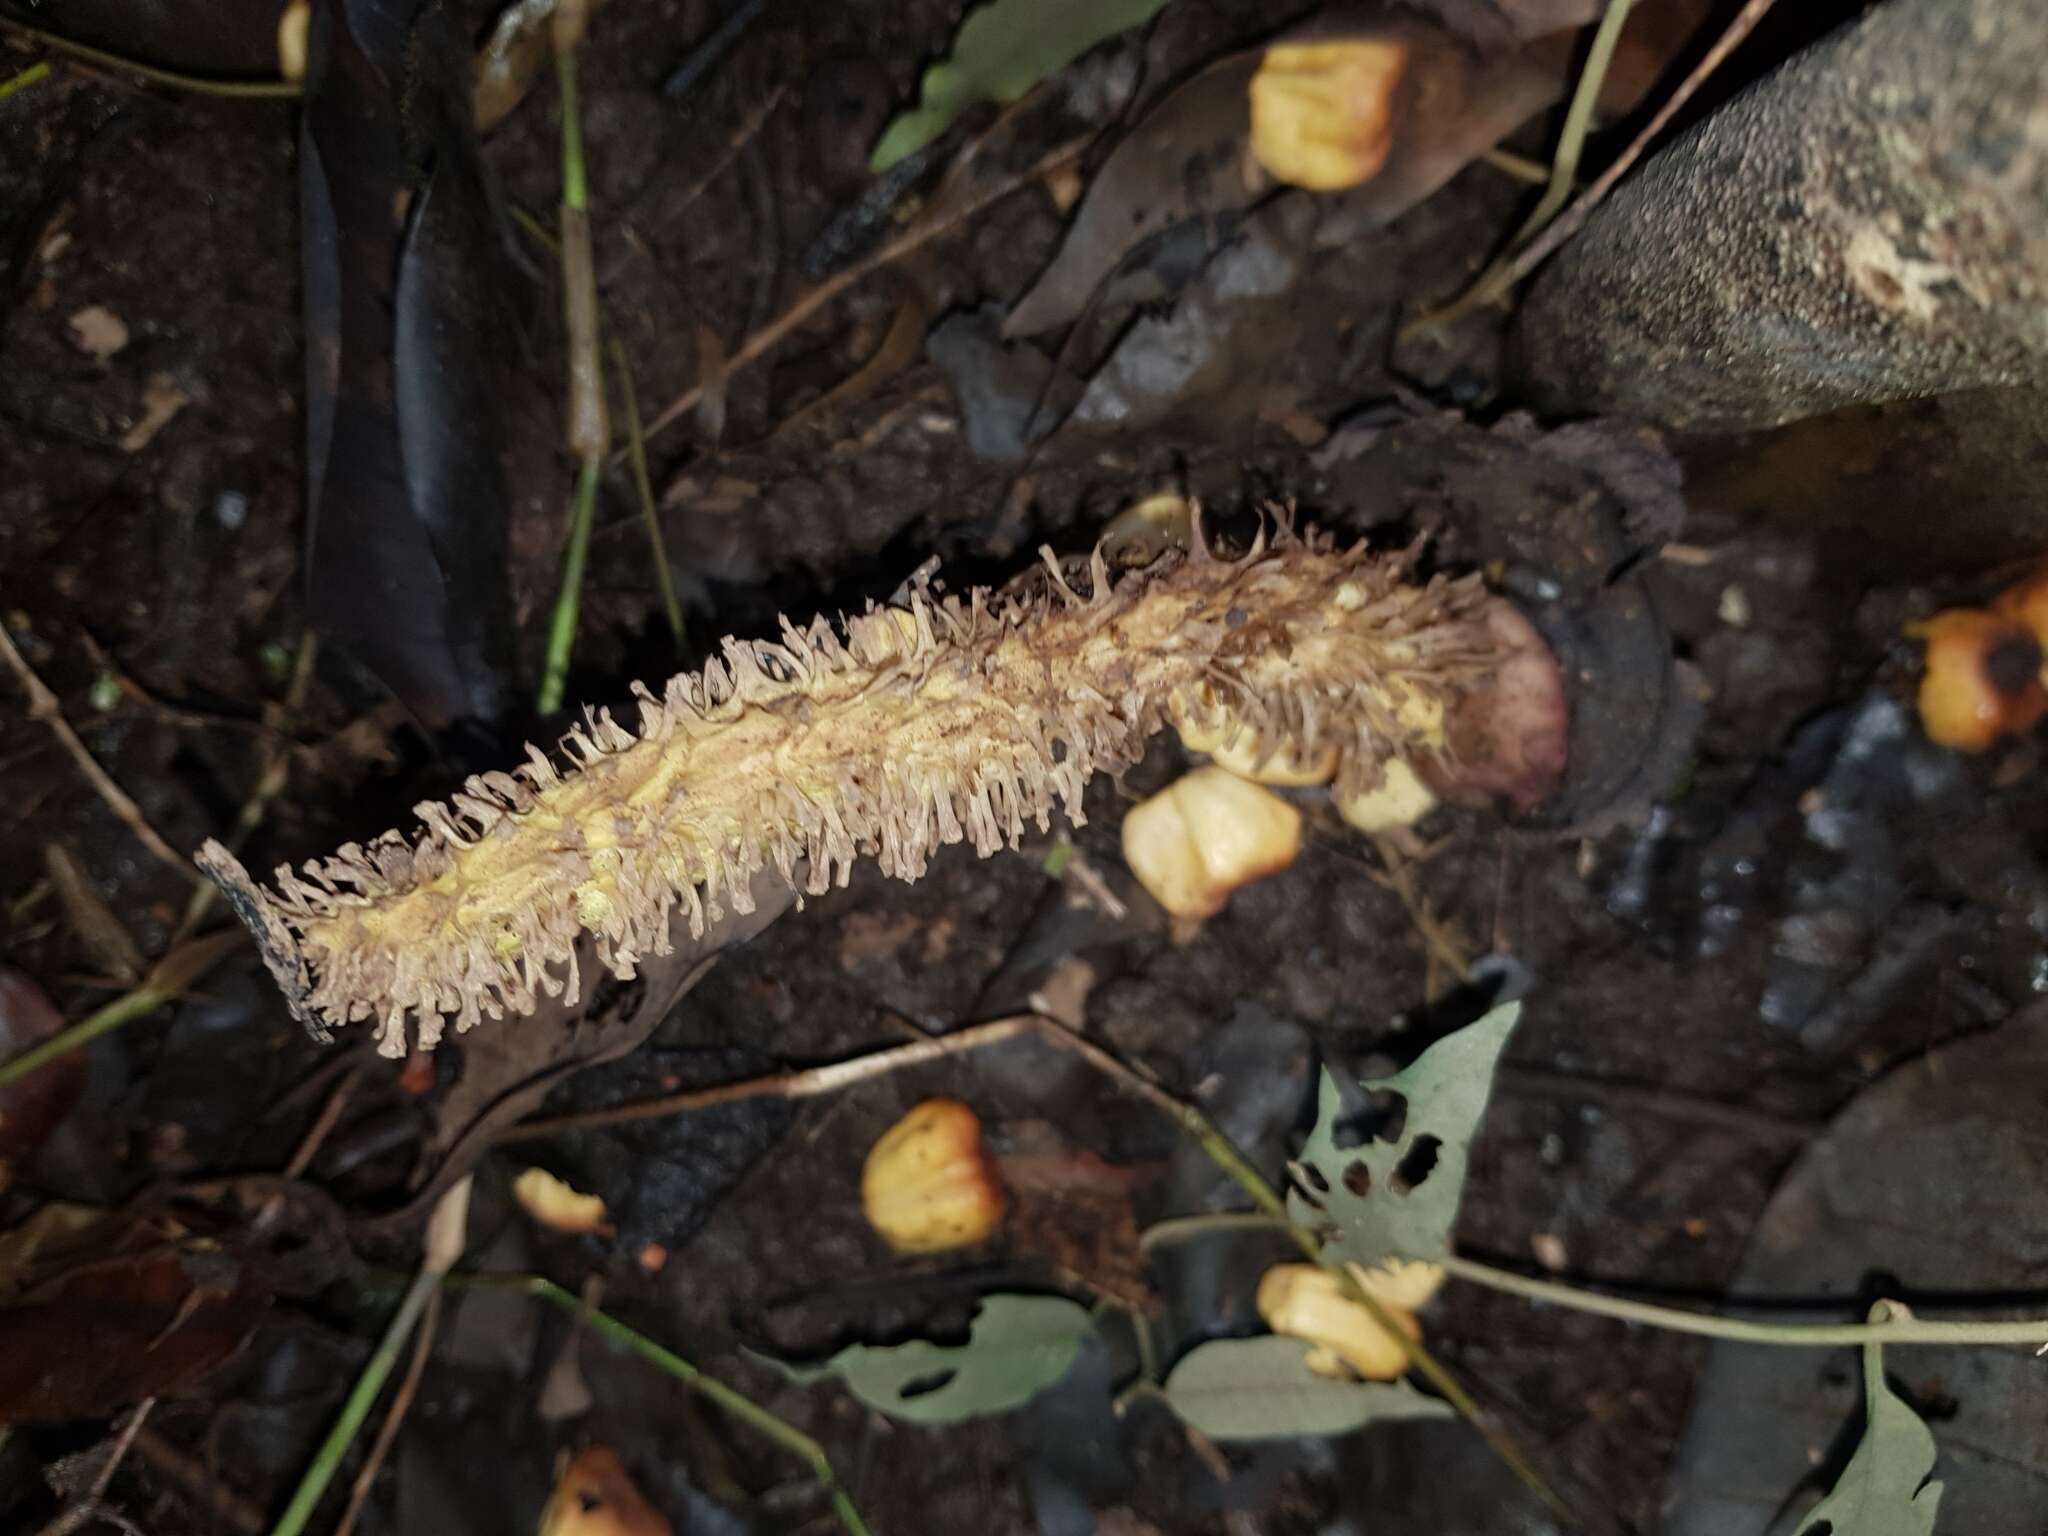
[(1017, 1347), (1262, 1389), (1002, 51), (1885, 1490), (1381, 1200)]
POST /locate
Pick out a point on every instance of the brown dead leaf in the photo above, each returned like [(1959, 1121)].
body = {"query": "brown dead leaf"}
[(161, 400), (900, 346), (98, 332), (110, 945), (31, 1107), (1073, 1210), (595, 1497), (114, 1310)]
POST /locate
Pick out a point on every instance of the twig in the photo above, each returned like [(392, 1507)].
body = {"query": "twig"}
[(87, 1505), (248, 90), (1497, 280), (812, 299), (636, 452), (807, 1083), (324, 1123), (732, 1401), (1446, 950), (23, 80), (43, 706), (1912, 1330), (387, 1432), (214, 1499), (443, 1248), (741, 138), (1520, 168), (1573, 218)]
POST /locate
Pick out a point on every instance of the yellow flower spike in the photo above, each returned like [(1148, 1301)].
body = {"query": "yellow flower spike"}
[(1323, 113), (950, 718), (928, 1184)]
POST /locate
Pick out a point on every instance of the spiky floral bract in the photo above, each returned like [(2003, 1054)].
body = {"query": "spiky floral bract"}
[(943, 720)]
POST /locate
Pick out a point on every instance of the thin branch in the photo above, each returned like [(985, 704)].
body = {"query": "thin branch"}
[(215, 1500), (323, 1124), (1573, 218), (199, 85), (806, 1083), (87, 1505), (387, 1432), (814, 298), (1912, 1330), (735, 1403), (636, 453), (43, 706)]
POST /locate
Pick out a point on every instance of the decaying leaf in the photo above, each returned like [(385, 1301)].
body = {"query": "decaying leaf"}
[(1399, 1200), (1263, 1389), (949, 719), (111, 946), (1887, 1489), (1003, 50), (595, 1497), (1016, 1348), (519, 47), (31, 1107), (556, 1205)]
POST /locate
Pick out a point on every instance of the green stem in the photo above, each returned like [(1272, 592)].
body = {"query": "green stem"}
[(1498, 279), (575, 187), (562, 625), (246, 90), (353, 1412), (125, 1009), (736, 1404), (27, 78), (636, 445), (1742, 1331), (1578, 122)]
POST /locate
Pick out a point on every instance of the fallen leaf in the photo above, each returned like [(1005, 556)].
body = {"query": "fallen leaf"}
[(1887, 1489), (31, 1107), (1262, 1389), (1003, 49), (161, 400), (1016, 1348), (111, 946), (98, 332)]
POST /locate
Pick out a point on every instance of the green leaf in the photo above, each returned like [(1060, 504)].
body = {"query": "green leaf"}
[(1885, 1490), (1385, 1200), (1003, 50), (1017, 1347), (1261, 1389)]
